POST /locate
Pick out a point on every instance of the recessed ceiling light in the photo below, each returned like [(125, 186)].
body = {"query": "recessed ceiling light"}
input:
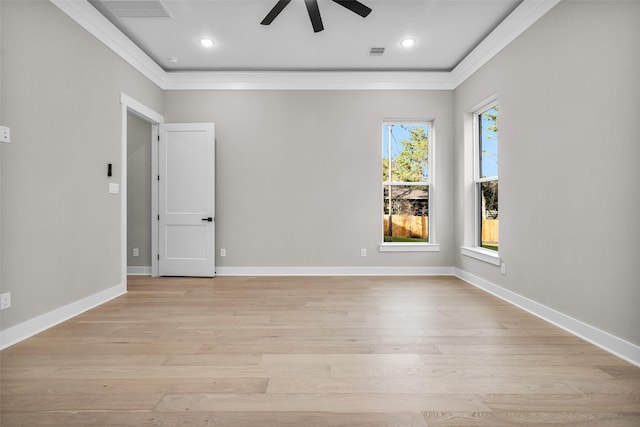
[(173, 60), (206, 42), (408, 42)]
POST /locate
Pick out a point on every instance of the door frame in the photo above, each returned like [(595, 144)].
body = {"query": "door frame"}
[(130, 105)]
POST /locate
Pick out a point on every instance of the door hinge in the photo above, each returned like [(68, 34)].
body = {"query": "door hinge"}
[(158, 217), (158, 137), (158, 177), (158, 257)]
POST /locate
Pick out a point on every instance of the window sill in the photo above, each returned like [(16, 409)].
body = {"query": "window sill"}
[(409, 247), (486, 255)]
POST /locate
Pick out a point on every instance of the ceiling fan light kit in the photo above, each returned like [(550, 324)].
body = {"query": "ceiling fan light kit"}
[(314, 11)]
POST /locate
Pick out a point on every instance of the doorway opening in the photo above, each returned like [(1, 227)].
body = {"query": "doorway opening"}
[(138, 119), (139, 224)]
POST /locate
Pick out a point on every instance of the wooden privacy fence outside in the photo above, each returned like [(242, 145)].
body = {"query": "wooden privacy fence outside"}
[(489, 230), (418, 226), (408, 226)]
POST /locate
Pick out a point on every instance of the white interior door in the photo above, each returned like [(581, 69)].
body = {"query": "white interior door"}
[(186, 200)]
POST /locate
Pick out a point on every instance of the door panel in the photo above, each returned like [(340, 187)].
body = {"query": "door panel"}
[(186, 199)]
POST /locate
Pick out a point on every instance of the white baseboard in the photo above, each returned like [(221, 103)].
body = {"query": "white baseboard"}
[(24, 330), (138, 271), (334, 271), (610, 343)]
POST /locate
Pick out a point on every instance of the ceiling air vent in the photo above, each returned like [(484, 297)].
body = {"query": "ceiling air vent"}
[(137, 8), (376, 51)]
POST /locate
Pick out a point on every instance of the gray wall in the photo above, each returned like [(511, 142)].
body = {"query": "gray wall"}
[(1, 123), (298, 178), (61, 97), (138, 191), (298, 172), (569, 94)]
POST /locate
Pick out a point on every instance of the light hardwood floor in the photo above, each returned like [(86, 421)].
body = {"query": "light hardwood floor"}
[(304, 351)]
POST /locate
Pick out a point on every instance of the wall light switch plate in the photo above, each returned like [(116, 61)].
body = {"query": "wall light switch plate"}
[(114, 188), (5, 134)]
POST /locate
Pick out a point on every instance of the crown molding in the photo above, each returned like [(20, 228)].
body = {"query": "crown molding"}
[(91, 20), (525, 15), (528, 12), (308, 80)]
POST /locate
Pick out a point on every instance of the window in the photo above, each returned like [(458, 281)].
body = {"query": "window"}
[(486, 177), (406, 183)]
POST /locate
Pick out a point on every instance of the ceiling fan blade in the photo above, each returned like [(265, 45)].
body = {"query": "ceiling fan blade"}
[(355, 6), (314, 15), (275, 12)]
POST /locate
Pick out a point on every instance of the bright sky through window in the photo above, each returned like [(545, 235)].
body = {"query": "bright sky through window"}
[(489, 143), (398, 133)]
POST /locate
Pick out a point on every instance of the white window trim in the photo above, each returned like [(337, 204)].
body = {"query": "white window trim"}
[(473, 247), (408, 247), (430, 246), (482, 254)]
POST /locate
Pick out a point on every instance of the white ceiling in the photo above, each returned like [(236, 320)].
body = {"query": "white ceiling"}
[(454, 38), (445, 32)]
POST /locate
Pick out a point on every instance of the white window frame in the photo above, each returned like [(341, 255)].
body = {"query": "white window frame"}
[(474, 248), (431, 245)]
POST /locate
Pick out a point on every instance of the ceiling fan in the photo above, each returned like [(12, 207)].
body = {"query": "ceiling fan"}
[(314, 12)]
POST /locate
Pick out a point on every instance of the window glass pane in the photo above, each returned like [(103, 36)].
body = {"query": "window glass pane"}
[(488, 192), (488, 140), (406, 213), (408, 148)]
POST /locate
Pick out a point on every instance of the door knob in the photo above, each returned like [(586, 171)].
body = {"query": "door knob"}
[(210, 219)]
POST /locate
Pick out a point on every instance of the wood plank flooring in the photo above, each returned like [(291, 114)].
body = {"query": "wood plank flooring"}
[(312, 351)]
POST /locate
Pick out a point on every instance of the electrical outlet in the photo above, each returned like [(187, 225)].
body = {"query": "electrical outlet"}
[(223, 252), (5, 134), (136, 251), (503, 268), (5, 300), (363, 252)]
